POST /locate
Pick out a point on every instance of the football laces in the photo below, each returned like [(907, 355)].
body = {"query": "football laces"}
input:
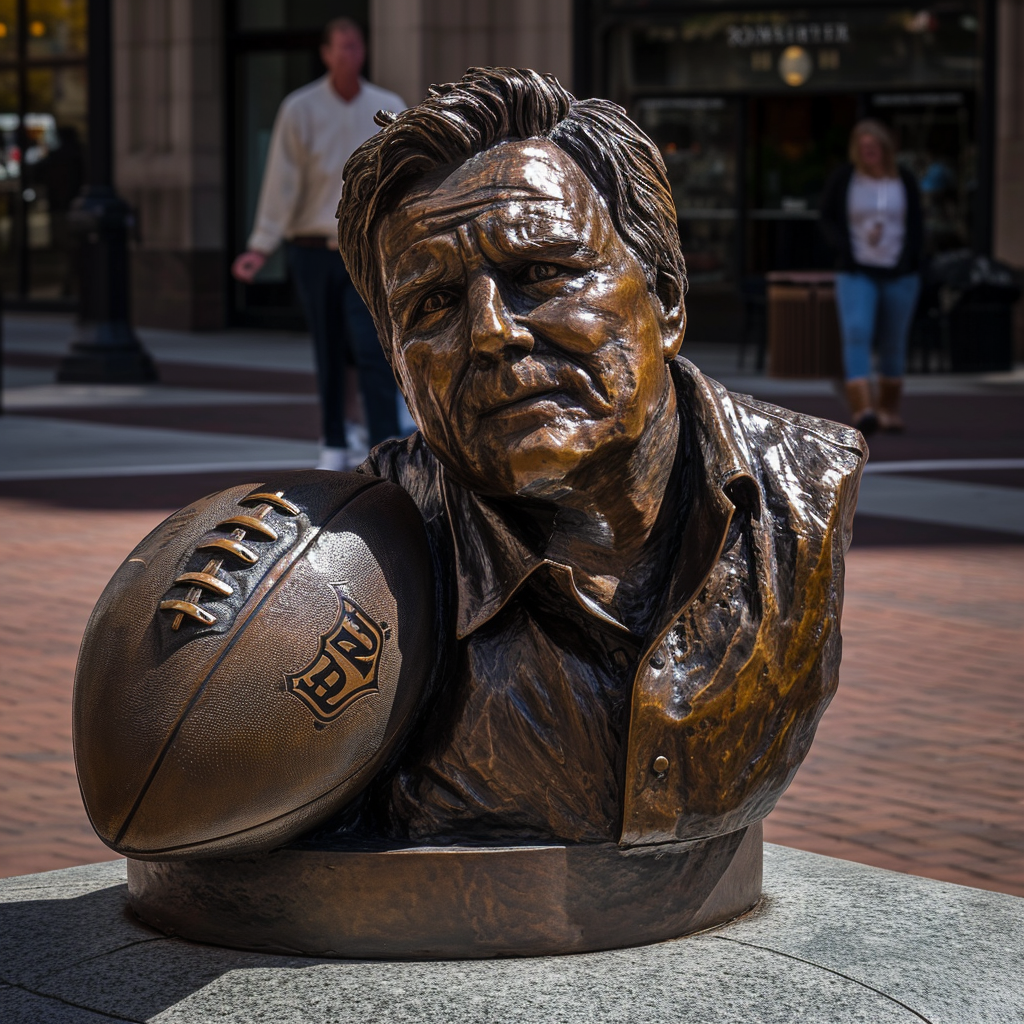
[(224, 547)]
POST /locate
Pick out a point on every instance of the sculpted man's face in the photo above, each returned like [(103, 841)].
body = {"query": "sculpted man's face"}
[(525, 337)]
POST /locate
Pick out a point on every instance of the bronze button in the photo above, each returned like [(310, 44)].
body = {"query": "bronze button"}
[(660, 764)]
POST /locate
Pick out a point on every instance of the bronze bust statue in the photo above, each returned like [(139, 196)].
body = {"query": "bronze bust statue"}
[(638, 575), (645, 571)]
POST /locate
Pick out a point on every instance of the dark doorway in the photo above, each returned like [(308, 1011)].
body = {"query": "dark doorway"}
[(273, 48), (793, 145), (936, 134)]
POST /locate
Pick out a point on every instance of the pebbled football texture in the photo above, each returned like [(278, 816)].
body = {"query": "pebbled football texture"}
[(252, 664)]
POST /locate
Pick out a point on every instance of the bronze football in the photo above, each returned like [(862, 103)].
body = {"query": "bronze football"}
[(252, 664)]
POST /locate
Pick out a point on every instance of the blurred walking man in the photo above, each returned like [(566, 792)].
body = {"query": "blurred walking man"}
[(316, 130)]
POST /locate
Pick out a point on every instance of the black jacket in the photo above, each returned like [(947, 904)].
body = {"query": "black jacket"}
[(836, 229)]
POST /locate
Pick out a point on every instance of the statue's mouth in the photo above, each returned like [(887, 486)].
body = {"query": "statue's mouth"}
[(523, 400)]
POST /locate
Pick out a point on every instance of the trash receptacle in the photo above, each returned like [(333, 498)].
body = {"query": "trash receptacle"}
[(977, 296), (803, 329)]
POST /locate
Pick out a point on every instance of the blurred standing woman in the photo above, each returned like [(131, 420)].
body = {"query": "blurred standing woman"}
[(871, 215)]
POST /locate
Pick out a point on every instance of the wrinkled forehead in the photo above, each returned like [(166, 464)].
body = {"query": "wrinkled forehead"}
[(531, 174)]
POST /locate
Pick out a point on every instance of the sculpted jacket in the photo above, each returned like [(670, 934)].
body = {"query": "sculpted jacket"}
[(551, 719)]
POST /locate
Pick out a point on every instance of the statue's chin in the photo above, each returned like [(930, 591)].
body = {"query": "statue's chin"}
[(539, 464), (542, 485), (538, 479), (545, 489)]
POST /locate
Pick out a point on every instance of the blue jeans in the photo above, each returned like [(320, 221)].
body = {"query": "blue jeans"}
[(343, 333), (875, 308)]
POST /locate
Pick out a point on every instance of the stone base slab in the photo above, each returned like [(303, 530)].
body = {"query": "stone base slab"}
[(831, 941), (452, 902)]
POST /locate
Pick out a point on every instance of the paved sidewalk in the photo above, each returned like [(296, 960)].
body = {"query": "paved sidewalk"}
[(918, 764), (53, 565), (238, 399)]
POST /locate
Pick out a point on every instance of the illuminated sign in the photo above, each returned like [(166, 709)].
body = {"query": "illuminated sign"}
[(801, 33)]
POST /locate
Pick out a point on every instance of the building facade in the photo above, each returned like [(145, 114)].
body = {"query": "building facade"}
[(750, 103)]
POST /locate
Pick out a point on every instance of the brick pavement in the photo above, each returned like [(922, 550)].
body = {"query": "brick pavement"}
[(53, 566), (918, 765)]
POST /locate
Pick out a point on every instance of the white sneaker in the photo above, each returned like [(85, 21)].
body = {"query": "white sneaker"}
[(337, 460), (358, 442)]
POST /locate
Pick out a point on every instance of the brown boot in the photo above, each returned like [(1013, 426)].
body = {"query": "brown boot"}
[(889, 390), (858, 397)]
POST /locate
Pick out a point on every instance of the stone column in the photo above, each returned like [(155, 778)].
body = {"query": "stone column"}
[(1009, 156), (169, 148), (418, 42), (396, 47)]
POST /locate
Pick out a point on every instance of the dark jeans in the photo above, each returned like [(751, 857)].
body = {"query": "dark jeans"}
[(343, 333)]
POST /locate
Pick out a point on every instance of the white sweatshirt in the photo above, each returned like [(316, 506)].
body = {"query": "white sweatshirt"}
[(315, 132)]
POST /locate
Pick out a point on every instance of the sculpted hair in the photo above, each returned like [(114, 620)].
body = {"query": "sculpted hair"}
[(492, 105)]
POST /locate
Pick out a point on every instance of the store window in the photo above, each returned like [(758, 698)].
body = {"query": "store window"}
[(273, 49), (697, 138), (937, 143), (752, 109), (43, 135)]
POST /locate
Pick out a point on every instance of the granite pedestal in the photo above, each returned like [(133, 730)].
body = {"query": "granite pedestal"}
[(831, 941)]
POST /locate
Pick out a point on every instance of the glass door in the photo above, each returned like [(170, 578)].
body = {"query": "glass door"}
[(794, 143), (43, 134), (937, 143), (697, 137)]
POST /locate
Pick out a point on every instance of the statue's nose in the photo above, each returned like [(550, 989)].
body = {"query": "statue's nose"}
[(492, 326)]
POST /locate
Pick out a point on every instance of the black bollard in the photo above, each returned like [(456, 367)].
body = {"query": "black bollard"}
[(104, 348)]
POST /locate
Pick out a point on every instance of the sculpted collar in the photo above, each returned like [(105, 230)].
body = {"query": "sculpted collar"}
[(493, 559)]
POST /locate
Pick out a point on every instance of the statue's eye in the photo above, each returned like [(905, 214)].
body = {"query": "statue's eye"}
[(541, 272), (436, 301)]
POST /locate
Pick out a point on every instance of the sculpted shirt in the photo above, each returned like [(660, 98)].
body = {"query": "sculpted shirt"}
[(553, 720)]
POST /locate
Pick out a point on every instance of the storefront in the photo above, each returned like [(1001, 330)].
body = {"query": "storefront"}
[(752, 109), (750, 103), (43, 134)]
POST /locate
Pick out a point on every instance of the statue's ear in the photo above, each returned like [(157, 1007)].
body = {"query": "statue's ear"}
[(669, 291)]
